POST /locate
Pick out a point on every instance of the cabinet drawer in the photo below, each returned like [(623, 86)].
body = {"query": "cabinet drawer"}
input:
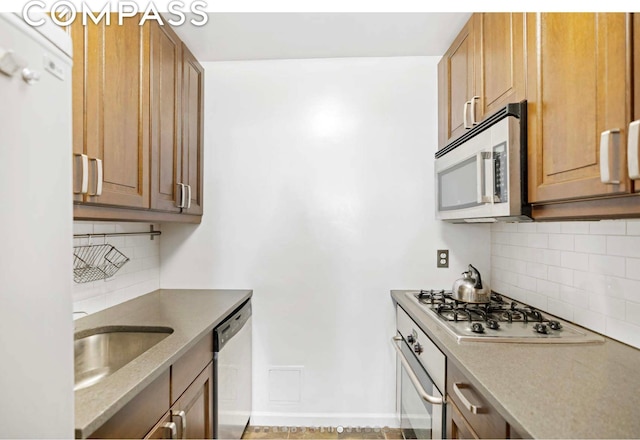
[(189, 366), (138, 416), (482, 417)]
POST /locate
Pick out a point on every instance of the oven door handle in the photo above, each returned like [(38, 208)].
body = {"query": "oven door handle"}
[(412, 376)]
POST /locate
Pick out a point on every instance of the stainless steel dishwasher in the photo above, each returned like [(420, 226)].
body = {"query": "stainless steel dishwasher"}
[(232, 371)]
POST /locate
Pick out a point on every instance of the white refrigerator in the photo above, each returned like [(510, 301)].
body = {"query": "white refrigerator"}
[(36, 221)]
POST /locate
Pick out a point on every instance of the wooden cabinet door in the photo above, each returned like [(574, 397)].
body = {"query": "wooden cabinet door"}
[(457, 426), (192, 129), (456, 84), (500, 68), (116, 119), (166, 123), (636, 77), (577, 88), (78, 39), (197, 405)]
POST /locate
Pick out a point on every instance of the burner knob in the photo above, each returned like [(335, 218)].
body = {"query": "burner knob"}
[(417, 348), (411, 339), (493, 324), (555, 325), (476, 327), (541, 328)]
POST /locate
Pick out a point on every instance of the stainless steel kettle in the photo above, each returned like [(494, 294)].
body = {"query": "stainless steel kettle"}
[(470, 289)]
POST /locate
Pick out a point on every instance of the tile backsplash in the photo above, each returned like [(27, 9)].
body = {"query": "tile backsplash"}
[(139, 276), (584, 272)]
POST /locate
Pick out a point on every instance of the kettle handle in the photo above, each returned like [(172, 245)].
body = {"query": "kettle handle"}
[(476, 276)]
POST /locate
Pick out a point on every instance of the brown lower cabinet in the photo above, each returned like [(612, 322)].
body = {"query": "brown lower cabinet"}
[(469, 414), (152, 415)]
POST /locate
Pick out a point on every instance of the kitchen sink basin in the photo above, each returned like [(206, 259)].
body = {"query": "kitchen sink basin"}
[(100, 352)]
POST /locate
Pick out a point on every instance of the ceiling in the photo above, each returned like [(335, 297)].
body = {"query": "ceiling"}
[(263, 36)]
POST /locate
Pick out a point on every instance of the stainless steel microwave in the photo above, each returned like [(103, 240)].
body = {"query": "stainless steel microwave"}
[(481, 177)]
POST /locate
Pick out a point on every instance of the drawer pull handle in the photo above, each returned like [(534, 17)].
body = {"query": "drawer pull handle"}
[(457, 389), (172, 428), (183, 422), (610, 157), (412, 376)]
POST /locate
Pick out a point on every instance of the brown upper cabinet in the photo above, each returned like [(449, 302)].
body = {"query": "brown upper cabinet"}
[(192, 131), (137, 123), (580, 73), (482, 71), (578, 88), (110, 113)]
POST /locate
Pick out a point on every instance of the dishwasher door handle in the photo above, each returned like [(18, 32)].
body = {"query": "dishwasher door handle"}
[(412, 376)]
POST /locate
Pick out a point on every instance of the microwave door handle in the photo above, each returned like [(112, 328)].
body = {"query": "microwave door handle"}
[(482, 183)]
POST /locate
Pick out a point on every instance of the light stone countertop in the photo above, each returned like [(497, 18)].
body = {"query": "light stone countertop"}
[(190, 313), (548, 390)]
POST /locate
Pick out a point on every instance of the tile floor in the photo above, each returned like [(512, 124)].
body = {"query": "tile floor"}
[(330, 433)]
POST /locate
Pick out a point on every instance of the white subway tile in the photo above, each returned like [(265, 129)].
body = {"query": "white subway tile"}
[(537, 300), (104, 228), (561, 242), (518, 239), (548, 288), (606, 305), (509, 277), (574, 296), (82, 228), (536, 240), (549, 227), (633, 268), (526, 227), (607, 265), (550, 257), (625, 246), (560, 275), (526, 282), (575, 227), (574, 260), (608, 227), (633, 227), (591, 244), (133, 227), (499, 262), (633, 313), (537, 270), (561, 309), (519, 266), (590, 319), (510, 227), (500, 237), (91, 305), (623, 331), (588, 281)]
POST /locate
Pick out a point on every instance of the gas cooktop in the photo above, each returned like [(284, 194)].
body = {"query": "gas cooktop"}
[(500, 320)]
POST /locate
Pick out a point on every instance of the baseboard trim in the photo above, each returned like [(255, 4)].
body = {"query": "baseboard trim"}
[(262, 418)]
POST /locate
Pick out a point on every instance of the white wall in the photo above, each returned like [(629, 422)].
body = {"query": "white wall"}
[(586, 272), (140, 275), (319, 196)]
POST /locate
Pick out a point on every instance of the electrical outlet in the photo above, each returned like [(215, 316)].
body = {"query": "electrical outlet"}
[(443, 257)]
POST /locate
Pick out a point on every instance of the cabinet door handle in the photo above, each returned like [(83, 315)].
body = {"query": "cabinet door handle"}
[(473, 110), (457, 389), (188, 196), (84, 178), (183, 422), (180, 202), (172, 428), (465, 115), (633, 145), (610, 156), (98, 187)]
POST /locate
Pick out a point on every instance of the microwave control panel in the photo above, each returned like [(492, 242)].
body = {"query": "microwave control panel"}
[(500, 163)]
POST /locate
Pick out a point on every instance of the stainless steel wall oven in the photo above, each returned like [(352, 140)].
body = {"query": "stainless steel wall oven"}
[(421, 368)]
